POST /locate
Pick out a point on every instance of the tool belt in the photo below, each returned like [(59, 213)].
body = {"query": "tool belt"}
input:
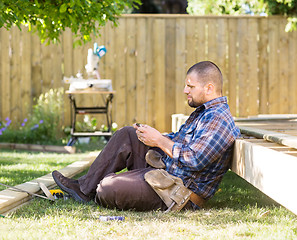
[(171, 190)]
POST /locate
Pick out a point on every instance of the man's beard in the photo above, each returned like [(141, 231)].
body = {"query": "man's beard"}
[(193, 104)]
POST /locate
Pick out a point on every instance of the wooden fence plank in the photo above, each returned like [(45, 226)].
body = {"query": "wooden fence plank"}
[(292, 72), (180, 60), (222, 49), (149, 73), (109, 59), (5, 74), (263, 65), (141, 39), (26, 74), (243, 73), (273, 70), (79, 67), (212, 36), (67, 70), (201, 39), (284, 66), (191, 45), (131, 71), (159, 74), (57, 63), (232, 67), (16, 84), (170, 65), (253, 66), (120, 74)]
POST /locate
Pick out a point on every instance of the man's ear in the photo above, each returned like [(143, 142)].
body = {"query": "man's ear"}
[(209, 88)]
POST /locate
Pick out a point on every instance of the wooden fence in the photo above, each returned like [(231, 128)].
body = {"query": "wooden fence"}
[(147, 58)]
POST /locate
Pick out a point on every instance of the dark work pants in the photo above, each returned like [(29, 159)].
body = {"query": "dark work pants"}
[(127, 190)]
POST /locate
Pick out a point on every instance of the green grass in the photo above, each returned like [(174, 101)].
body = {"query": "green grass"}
[(237, 211), (18, 166)]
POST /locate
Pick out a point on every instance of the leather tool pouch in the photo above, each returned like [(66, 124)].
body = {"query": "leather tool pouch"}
[(169, 188)]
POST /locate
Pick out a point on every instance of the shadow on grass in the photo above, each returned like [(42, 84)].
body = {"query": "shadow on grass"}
[(235, 192), (17, 167), (20, 176)]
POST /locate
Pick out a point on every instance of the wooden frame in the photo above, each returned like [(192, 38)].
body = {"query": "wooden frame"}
[(273, 172)]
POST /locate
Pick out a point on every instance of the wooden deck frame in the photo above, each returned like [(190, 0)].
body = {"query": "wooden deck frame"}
[(272, 172)]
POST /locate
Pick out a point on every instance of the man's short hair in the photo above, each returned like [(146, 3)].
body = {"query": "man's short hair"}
[(208, 72)]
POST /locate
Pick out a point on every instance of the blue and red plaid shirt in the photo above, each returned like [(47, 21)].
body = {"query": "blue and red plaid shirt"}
[(203, 147)]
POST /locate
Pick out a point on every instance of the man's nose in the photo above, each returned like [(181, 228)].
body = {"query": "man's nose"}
[(186, 90)]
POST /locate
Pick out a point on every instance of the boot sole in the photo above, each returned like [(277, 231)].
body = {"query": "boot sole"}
[(71, 192)]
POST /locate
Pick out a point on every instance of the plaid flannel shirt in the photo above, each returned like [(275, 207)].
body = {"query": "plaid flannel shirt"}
[(203, 147)]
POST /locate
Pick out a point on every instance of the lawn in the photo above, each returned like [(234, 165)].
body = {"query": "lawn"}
[(237, 211)]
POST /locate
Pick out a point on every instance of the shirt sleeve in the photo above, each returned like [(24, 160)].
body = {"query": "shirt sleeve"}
[(204, 144), (170, 135)]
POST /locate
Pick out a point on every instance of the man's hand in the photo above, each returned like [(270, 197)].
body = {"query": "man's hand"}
[(153, 138)]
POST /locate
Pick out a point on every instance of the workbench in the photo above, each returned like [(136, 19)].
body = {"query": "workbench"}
[(76, 110)]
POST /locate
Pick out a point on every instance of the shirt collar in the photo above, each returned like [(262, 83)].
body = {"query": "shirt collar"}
[(212, 102)]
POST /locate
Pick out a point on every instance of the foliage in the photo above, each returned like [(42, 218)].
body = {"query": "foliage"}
[(43, 126), (230, 7), (50, 18), (87, 125), (287, 8)]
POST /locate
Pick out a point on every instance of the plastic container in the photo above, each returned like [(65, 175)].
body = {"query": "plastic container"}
[(111, 218)]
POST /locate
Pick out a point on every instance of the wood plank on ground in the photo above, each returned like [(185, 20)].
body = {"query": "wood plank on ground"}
[(9, 199), (37, 147)]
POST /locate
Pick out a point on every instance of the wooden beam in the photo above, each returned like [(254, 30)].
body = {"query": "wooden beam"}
[(10, 199), (272, 172), (36, 147), (280, 138)]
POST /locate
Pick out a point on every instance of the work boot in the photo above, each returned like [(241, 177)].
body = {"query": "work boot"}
[(71, 186)]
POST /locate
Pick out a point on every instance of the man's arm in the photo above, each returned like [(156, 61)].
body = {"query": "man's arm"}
[(153, 138)]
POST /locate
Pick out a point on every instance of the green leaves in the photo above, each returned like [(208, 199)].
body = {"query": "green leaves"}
[(49, 18), (63, 8)]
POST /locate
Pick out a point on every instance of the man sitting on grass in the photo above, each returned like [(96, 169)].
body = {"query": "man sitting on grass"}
[(197, 156)]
